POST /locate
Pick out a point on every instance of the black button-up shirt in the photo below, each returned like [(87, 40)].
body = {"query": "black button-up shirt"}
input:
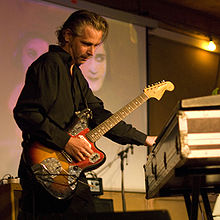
[(51, 96)]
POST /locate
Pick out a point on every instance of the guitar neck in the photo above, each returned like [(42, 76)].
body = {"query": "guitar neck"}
[(96, 133)]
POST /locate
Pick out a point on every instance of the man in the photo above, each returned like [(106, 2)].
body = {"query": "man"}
[(54, 90)]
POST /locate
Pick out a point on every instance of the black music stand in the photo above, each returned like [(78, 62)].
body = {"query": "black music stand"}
[(123, 155)]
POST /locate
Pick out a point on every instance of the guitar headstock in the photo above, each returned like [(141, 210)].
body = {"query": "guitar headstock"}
[(157, 90)]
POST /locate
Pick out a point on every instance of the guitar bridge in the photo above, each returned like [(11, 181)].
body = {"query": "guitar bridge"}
[(47, 170)]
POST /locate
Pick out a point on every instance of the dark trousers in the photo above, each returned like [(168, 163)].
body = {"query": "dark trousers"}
[(37, 204)]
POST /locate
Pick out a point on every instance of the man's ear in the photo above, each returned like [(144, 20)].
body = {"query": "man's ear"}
[(68, 35)]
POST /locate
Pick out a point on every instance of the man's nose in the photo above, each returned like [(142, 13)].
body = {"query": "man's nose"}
[(91, 50)]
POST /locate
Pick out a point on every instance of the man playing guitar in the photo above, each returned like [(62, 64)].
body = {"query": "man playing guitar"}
[(54, 96)]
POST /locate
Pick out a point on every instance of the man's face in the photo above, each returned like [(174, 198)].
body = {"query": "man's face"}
[(82, 47)]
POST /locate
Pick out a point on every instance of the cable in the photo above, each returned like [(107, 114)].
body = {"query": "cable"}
[(3, 178)]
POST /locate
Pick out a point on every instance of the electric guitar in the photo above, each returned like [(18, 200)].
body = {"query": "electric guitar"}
[(57, 171)]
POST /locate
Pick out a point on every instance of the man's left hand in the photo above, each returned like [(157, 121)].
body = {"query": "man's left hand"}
[(150, 141)]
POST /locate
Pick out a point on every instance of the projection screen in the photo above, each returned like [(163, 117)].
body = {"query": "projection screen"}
[(28, 27)]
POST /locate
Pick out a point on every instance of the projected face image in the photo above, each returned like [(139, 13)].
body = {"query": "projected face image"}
[(32, 50), (94, 70)]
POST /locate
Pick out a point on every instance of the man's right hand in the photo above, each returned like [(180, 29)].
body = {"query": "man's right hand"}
[(78, 148)]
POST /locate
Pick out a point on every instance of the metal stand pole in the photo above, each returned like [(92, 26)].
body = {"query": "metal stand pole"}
[(123, 154)]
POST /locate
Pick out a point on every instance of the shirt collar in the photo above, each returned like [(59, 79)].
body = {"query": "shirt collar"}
[(66, 57)]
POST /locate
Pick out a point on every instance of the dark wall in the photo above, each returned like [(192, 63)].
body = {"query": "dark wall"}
[(193, 72)]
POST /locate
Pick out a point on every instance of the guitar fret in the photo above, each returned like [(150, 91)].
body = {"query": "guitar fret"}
[(106, 124), (109, 123), (103, 128), (129, 108), (96, 134), (116, 118), (126, 110), (100, 132), (144, 98), (136, 103), (119, 116), (140, 100), (123, 113), (112, 120), (133, 105)]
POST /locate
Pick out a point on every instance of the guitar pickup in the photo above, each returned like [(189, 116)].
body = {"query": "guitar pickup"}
[(94, 157), (67, 156)]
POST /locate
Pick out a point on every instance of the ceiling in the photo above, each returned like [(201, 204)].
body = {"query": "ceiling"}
[(189, 16), (211, 7)]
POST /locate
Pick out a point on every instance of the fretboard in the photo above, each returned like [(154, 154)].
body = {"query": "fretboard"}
[(96, 133)]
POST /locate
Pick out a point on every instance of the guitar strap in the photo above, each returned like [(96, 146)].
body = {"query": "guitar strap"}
[(82, 95)]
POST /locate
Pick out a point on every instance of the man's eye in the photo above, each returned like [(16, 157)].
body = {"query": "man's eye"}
[(86, 44)]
